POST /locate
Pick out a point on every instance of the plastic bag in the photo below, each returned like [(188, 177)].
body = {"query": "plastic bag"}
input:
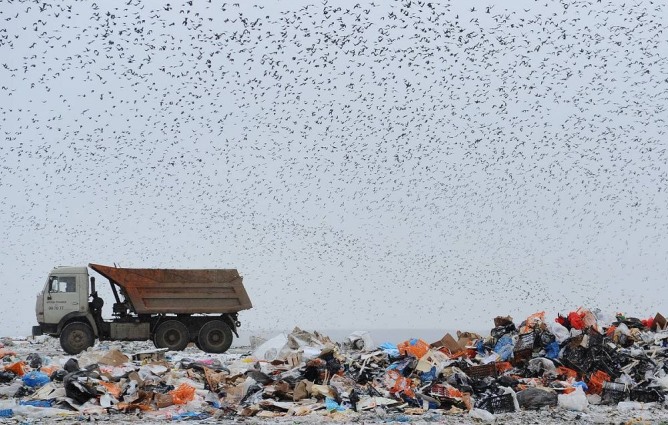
[(596, 381), (77, 390), (34, 360), (415, 347), (389, 349), (6, 376), (183, 394), (332, 406), (533, 321), (576, 320), (504, 347), (35, 379), (552, 350), (535, 398), (397, 383), (559, 331), (18, 368), (482, 415), (576, 400)]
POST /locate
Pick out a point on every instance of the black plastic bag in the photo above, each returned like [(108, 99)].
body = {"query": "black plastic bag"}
[(72, 365), (76, 390), (535, 398)]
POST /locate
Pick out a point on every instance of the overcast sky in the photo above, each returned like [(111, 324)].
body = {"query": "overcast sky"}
[(363, 165)]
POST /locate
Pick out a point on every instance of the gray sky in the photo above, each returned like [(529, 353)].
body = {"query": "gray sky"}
[(363, 165)]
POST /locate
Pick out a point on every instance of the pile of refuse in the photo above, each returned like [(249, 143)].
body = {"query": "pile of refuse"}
[(580, 359)]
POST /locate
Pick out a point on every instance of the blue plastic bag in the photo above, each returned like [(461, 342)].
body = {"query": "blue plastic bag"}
[(36, 403), (390, 349), (504, 347), (582, 385), (190, 415), (6, 413), (480, 346), (428, 376), (332, 406), (35, 379), (552, 350)]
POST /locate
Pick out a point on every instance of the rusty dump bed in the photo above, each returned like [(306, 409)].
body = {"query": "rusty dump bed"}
[(180, 291)]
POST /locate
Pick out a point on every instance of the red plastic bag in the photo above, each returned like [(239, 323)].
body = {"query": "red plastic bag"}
[(648, 323), (576, 321)]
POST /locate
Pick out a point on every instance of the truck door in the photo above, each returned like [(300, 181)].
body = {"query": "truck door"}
[(62, 297)]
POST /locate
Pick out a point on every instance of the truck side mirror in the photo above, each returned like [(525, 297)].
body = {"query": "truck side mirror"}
[(50, 288)]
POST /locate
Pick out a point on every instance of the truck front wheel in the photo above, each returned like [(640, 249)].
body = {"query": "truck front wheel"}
[(173, 335), (76, 337), (215, 337)]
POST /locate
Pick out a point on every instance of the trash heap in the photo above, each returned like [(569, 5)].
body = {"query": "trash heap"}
[(582, 358)]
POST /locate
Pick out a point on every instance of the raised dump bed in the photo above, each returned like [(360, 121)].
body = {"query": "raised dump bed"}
[(179, 291)]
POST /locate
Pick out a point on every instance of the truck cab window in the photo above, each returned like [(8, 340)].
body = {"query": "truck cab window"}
[(63, 284)]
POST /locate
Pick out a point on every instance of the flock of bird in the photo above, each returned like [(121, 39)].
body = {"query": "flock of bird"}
[(377, 164)]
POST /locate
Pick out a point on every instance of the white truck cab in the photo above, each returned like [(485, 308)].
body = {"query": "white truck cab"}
[(65, 294)]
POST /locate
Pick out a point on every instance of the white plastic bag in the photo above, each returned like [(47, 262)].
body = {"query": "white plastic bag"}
[(482, 415), (559, 331), (576, 400), (271, 349)]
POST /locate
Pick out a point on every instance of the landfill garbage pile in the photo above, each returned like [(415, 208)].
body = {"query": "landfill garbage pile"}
[(581, 361)]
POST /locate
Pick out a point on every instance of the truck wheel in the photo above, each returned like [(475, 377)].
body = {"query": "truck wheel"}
[(173, 335), (76, 337), (215, 337)]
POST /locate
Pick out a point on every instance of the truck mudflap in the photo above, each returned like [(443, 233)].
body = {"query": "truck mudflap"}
[(37, 331), (233, 321)]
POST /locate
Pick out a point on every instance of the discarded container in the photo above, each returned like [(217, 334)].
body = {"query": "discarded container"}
[(481, 371), (497, 403), (613, 393)]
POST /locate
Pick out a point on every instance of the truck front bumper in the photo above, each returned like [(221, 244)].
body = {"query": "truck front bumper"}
[(44, 328)]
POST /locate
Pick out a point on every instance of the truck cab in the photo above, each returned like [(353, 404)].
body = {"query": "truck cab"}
[(64, 296)]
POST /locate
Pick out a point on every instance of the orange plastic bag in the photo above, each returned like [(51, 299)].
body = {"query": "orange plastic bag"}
[(503, 366), (397, 383), (18, 368), (113, 389), (183, 394), (533, 321), (453, 392), (49, 369), (567, 372), (596, 381), (414, 347)]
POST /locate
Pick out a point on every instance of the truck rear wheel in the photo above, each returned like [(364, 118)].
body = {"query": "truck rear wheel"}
[(76, 337), (172, 335), (215, 337)]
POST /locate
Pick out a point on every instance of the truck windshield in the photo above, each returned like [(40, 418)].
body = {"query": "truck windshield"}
[(63, 284)]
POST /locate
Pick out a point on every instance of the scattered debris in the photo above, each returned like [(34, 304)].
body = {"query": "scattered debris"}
[(583, 359)]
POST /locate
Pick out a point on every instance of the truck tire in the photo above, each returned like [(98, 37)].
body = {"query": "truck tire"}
[(215, 337), (76, 337), (172, 335)]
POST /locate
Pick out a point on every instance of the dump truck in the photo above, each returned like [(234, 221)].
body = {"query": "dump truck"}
[(171, 307)]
